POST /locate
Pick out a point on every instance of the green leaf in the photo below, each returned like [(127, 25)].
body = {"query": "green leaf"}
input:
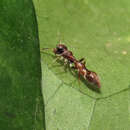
[(21, 105), (112, 113), (99, 32)]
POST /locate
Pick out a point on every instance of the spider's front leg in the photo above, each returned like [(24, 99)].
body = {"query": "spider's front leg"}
[(58, 57)]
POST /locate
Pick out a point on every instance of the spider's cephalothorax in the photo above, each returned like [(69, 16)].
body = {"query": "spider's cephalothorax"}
[(60, 48), (62, 51)]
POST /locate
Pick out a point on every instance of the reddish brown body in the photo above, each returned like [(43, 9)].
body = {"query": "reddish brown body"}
[(62, 51), (91, 76)]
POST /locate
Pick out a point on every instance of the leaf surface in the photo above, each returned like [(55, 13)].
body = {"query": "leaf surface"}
[(99, 32)]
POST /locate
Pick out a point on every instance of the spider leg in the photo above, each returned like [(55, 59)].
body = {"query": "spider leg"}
[(82, 61), (57, 58)]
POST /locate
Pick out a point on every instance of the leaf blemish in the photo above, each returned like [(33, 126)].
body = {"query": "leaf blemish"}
[(124, 52), (108, 45)]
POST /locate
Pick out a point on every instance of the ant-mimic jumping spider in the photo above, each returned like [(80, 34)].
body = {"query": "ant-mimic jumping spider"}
[(61, 51)]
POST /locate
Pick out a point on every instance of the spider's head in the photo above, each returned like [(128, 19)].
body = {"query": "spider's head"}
[(60, 48)]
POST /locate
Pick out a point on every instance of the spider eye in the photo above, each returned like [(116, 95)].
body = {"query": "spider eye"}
[(60, 50)]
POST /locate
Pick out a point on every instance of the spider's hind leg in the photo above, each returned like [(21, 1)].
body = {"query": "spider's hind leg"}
[(82, 60)]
